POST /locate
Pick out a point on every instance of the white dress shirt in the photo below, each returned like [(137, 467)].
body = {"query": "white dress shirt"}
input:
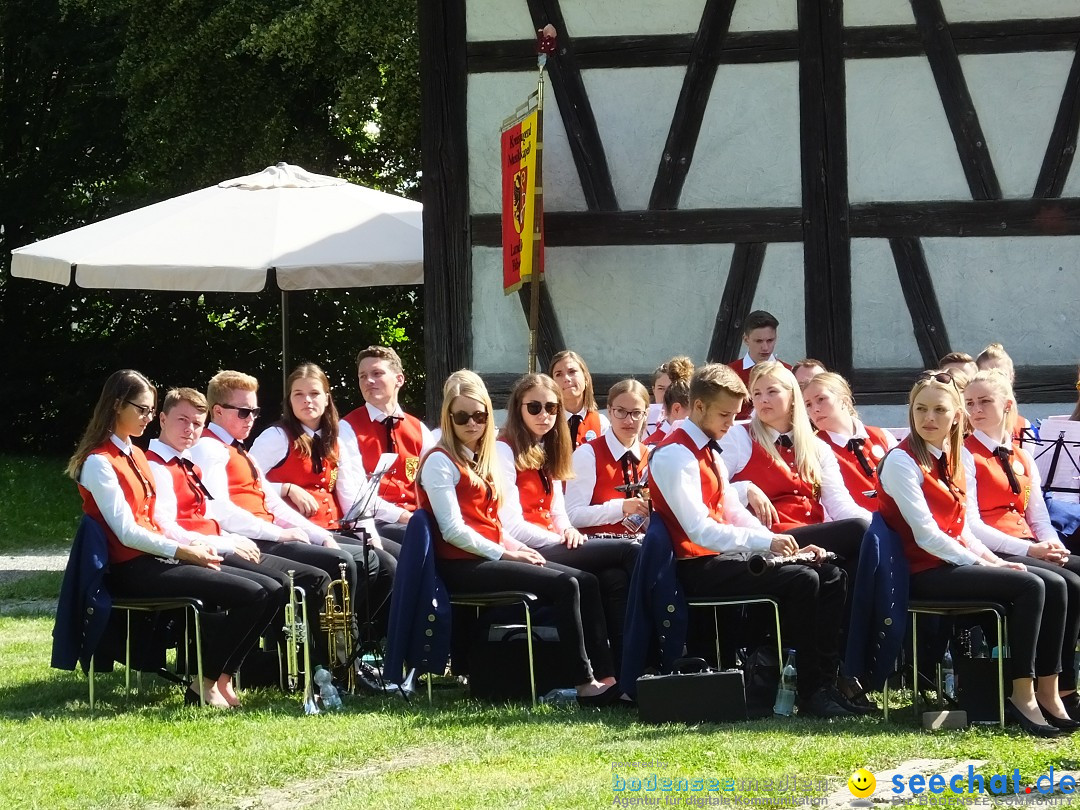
[(212, 457), (579, 489), (510, 511), (385, 512), (1036, 515), (439, 477), (674, 471), (841, 439), (605, 425), (738, 445), (901, 479), (99, 478), (748, 361)]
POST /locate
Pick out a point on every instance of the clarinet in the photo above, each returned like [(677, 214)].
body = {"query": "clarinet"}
[(759, 563)]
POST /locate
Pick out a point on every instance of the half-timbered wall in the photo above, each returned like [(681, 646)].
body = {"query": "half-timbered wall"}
[(892, 178)]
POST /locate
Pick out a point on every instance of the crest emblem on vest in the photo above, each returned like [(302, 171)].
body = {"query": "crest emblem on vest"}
[(412, 466), (590, 435), (878, 452)]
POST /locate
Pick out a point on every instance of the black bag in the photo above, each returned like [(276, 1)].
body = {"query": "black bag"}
[(498, 664), (702, 696), (762, 680)]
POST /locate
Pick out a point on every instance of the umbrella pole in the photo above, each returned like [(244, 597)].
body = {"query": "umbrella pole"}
[(284, 339)]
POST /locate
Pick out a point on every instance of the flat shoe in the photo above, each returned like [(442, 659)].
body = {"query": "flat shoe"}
[(1029, 726)]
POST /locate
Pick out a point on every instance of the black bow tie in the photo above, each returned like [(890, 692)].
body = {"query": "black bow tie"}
[(629, 468), (714, 445), (783, 440), (713, 448), (1003, 453), (239, 445), (196, 484), (856, 447), (575, 425), (943, 469), (391, 423)]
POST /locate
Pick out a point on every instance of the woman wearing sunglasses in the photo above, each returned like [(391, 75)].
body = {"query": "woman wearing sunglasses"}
[(459, 486), (116, 484), (858, 448), (1006, 512), (581, 412), (923, 499), (534, 459)]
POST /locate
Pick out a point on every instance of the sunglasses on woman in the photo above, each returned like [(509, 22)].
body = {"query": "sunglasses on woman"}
[(942, 377), (464, 417), (535, 406)]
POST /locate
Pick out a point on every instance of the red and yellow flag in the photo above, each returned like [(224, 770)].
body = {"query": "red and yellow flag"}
[(522, 206)]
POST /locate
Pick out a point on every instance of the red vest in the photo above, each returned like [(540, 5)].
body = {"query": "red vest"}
[(796, 502), (398, 486), (190, 500), (478, 510), (946, 504), (535, 499), (855, 478), (712, 493), (609, 474), (298, 470), (137, 484), (245, 490), (591, 421), (656, 438), (999, 507), (744, 375)]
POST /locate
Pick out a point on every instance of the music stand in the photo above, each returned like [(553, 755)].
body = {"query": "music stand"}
[(1058, 459)]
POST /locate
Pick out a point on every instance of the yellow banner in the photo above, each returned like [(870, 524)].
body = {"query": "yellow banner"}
[(522, 217)]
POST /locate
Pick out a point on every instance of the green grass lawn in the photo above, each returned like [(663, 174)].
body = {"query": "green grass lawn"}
[(150, 750), (40, 507)]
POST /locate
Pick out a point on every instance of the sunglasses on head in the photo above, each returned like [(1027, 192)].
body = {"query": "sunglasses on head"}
[(535, 406), (244, 413), (942, 377), (464, 417)]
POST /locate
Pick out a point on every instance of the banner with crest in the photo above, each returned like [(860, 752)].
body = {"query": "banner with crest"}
[(522, 215)]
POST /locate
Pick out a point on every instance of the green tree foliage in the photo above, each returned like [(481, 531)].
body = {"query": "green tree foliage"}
[(107, 106)]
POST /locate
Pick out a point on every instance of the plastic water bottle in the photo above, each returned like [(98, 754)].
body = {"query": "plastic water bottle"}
[(785, 694), (328, 693), (948, 676), (560, 697)]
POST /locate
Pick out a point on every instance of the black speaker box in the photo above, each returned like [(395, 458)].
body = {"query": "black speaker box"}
[(697, 697)]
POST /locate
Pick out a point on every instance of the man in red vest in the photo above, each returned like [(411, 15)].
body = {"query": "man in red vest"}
[(714, 536), (380, 426), (759, 337)]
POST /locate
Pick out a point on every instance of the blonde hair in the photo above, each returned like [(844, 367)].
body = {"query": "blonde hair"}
[(554, 450), (462, 375), (115, 394), (588, 397), (482, 465), (224, 382), (995, 353), (999, 383), (838, 387), (634, 388), (802, 432), (956, 432)]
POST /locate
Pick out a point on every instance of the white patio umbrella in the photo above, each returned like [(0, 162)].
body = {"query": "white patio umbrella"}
[(282, 226)]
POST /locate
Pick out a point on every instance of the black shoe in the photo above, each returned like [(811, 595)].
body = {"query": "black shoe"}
[(369, 679), (1064, 725), (823, 703), (611, 696), (853, 698), (1031, 727), (1072, 704)]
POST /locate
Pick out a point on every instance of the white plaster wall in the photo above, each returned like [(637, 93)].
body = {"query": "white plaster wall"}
[(631, 308), (900, 146), (878, 12), (499, 330), (748, 148), (983, 10), (497, 19), (594, 18), (764, 15), (633, 109), (1019, 291), (1016, 97), (493, 97), (882, 334), (780, 291)]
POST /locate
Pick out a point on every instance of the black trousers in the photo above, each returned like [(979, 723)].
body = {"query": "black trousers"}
[(372, 606), (841, 537), (226, 637), (1034, 605), (574, 594), (313, 580), (811, 599), (612, 562), (1070, 574)]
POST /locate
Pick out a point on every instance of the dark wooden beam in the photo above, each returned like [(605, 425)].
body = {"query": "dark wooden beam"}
[(586, 146), (697, 84), (445, 194), (1059, 217), (1061, 149), (918, 287), (499, 384), (959, 108), (742, 281), (549, 337), (752, 47), (689, 226), (823, 124), (890, 386)]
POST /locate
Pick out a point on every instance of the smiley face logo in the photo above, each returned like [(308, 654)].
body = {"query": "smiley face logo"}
[(862, 783)]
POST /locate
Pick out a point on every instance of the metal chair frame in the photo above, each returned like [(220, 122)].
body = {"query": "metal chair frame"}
[(189, 605), (716, 602), (917, 607)]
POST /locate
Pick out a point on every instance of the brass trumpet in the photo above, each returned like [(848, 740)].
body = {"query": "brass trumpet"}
[(296, 636), (337, 622)]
